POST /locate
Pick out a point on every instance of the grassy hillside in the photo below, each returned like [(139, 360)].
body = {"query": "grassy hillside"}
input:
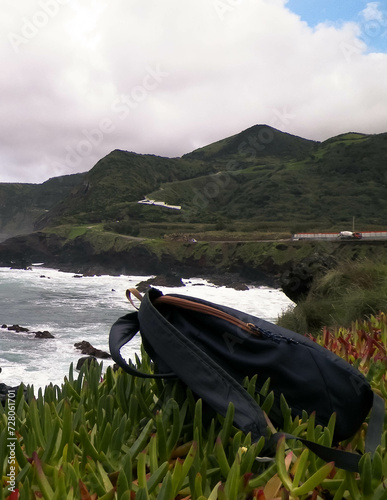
[(348, 291), (304, 184), (112, 188), (22, 204), (261, 179), (316, 184), (259, 141)]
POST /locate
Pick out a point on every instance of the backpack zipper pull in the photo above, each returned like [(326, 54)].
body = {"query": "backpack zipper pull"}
[(260, 331)]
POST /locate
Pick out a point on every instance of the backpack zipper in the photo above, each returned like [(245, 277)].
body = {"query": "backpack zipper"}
[(275, 337), (202, 308)]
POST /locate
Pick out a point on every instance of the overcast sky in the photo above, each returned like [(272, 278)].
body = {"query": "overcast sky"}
[(81, 78)]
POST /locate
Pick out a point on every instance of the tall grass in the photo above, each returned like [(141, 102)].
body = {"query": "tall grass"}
[(350, 291)]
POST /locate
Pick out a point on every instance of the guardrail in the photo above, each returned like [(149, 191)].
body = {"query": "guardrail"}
[(371, 235)]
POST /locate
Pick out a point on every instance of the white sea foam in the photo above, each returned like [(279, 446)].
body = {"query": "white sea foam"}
[(75, 309)]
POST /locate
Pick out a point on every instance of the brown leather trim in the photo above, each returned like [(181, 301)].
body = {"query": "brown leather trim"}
[(202, 308)]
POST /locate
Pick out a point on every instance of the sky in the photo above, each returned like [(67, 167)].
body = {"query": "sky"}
[(81, 78)]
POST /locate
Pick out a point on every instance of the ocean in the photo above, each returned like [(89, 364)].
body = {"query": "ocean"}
[(74, 308)]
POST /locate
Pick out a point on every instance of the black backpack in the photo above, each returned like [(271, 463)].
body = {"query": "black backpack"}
[(213, 348)]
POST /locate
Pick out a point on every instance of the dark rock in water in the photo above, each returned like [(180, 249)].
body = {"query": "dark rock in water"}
[(229, 280), (90, 273), (168, 279), (44, 335), (21, 265), (86, 348), (5, 390), (18, 328), (4, 326), (239, 286), (86, 359), (21, 329), (77, 276)]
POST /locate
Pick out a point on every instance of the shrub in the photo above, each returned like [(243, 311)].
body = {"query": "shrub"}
[(350, 291)]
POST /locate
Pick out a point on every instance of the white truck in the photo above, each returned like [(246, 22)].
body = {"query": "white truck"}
[(349, 235)]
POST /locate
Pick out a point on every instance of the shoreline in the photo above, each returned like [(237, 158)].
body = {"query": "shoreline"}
[(227, 279), (74, 309), (105, 253)]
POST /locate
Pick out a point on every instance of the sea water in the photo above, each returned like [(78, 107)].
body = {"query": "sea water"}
[(75, 308)]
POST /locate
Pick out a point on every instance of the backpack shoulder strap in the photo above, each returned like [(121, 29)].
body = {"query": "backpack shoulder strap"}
[(199, 371), (344, 459), (375, 424), (122, 332)]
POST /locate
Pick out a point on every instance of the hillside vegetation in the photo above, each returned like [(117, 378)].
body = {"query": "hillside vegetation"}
[(348, 291), (21, 205), (261, 179)]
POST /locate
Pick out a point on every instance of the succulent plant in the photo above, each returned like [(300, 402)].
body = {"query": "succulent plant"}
[(113, 436)]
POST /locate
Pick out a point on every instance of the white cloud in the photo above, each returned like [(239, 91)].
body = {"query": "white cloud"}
[(167, 77)]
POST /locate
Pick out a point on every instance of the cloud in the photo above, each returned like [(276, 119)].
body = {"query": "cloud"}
[(372, 12), (373, 22), (84, 78)]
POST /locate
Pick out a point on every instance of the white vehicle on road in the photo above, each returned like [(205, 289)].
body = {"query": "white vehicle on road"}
[(349, 235)]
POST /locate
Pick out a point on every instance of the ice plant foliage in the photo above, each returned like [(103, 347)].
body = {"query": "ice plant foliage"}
[(117, 437), (364, 345)]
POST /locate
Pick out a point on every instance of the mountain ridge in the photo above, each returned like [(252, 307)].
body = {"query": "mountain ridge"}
[(258, 140), (21, 204), (260, 175)]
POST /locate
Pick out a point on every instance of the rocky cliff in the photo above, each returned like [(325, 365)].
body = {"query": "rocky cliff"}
[(290, 265)]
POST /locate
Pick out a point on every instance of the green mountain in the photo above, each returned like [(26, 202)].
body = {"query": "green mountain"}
[(266, 176), (112, 188), (259, 141), (259, 178), (21, 205)]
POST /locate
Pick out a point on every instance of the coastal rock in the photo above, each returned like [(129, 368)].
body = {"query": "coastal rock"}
[(229, 280), (85, 359), (168, 279), (17, 328), (44, 335), (79, 256), (297, 280), (4, 390), (22, 329), (86, 348), (239, 286)]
